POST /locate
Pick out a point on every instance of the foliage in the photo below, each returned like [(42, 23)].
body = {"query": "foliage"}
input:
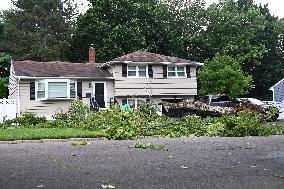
[(3, 88), (26, 120), (120, 27), (231, 31), (4, 73), (223, 75), (37, 30), (150, 146), (272, 114), (248, 32), (144, 146), (122, 125), (75, 116), (79, 143)]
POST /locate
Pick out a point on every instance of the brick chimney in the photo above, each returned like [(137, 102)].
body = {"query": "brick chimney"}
[(92, 54)]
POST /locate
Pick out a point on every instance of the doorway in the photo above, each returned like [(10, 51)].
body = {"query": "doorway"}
[(99, 92)]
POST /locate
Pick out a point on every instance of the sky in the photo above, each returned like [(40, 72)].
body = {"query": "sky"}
[(274, 6)]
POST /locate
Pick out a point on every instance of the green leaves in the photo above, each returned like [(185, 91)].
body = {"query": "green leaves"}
[(37, 30), (224, 75), (121, 27)]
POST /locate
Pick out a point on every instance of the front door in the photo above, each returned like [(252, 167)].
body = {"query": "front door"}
[(99, 94)]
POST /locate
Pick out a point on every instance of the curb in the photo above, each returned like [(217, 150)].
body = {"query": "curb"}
[(50, 140)]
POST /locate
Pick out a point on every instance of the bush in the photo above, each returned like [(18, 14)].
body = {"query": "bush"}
[(243, 124), (25, 120)]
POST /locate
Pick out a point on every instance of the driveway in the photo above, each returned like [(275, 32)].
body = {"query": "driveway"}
[(251, 162)]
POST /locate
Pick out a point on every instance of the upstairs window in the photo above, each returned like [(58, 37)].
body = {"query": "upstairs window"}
[(56, 89), (176, 71), (137, 71)]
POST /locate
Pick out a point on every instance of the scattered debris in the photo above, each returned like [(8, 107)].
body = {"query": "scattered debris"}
[(107, 186), (184, 167), (78, 143), (150, 146)]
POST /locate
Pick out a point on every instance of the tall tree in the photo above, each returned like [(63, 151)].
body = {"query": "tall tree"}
[(231, 32), (37, 30), (122, 26), (271, 69)]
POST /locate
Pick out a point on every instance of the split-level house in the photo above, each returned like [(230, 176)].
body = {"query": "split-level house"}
[(46, 88), (142, 75)]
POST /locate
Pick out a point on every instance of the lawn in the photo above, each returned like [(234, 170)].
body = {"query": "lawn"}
[(46, 133)]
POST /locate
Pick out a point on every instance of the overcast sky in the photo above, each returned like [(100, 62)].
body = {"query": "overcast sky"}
[(275, 6)]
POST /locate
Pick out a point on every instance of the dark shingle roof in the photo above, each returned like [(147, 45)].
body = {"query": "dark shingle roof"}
[(58, 69), (142, 56)]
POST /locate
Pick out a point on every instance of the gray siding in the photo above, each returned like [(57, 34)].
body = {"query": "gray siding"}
[(279, 91), (156, 86), (50, 107)]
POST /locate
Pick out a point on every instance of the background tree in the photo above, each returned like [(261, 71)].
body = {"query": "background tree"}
[(37, 30), (271, 69), (249, 33), (224, 75), (120, 27), (5, 60)]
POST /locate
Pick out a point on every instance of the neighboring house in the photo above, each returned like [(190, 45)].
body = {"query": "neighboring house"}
[(143, 75), (278, 91), (48, 87)]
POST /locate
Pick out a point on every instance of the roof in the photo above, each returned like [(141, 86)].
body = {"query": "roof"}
[(272, 88), (58, 69), (147, 57)]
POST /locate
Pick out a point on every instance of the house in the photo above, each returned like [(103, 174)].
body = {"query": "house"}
[(278, 91), (45, 88), (142, 75)]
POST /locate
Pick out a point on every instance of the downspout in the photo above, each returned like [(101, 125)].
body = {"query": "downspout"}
[(18, 100)]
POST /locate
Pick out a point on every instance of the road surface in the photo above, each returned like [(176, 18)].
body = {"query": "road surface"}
[(251, 162)]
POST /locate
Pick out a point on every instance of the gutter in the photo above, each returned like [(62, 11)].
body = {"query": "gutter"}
[(164, 63), (34, 77)]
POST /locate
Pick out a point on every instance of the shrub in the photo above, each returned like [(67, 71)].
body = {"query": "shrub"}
[(243, 124), (272, 114), (25, 120)]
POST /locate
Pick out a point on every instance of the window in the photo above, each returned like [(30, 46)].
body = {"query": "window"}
[(72, 89), (176, 71), (56, 89), (137, 71), (41, 90), (135, 103)]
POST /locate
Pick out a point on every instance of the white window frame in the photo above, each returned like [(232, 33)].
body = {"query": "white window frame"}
[(176, 72), (137, 71), (46, 81), (36, 89), (135, 101), (105, 90)]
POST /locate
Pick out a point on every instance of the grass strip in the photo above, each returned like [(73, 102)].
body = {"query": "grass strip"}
[(46, 133)]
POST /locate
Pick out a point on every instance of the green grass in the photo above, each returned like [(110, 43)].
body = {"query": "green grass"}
[(46, 133)]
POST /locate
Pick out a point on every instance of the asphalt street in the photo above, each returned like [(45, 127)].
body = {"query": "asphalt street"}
[(251, 162)]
